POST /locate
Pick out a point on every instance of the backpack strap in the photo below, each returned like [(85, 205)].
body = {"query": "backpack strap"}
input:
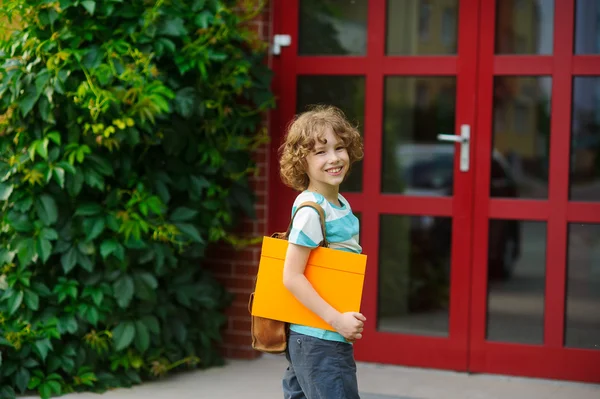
[(320, 211)]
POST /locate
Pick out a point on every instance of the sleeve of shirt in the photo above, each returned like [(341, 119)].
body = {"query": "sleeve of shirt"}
[(306, 228)]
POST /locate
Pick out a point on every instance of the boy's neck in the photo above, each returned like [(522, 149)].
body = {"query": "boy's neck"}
[(331, 194)]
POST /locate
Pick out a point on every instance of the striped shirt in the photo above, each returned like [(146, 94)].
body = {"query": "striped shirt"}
[(342, 230)]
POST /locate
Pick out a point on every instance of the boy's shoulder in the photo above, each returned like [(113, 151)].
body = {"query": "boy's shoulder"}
[(308, 196)]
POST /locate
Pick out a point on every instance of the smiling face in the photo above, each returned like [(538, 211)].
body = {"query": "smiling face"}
[(327, 164)]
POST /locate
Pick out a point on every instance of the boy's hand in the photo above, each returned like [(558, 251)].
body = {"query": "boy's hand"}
[(350, 325)]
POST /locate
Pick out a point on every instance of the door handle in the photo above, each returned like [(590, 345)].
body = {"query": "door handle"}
[(464, 140)]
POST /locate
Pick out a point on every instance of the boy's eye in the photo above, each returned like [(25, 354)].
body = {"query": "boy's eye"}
[(340, 148), (320, 152)]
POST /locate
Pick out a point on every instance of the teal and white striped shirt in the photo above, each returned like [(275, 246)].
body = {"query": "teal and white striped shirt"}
[(342, 230)]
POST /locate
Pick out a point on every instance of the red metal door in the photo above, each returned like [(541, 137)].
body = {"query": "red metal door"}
[(538, 111), (490, 266)]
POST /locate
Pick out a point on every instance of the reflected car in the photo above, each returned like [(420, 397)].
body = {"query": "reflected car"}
[(427, 170)]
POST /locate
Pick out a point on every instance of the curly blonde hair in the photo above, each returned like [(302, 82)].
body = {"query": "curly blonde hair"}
[(301, 137)]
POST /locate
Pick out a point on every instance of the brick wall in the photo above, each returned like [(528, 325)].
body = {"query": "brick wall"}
[(237, 269)]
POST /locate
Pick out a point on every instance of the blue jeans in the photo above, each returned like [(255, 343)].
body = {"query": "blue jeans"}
[(319, 369)]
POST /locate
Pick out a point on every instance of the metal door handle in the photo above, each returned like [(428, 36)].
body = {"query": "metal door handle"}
[(464, 140)]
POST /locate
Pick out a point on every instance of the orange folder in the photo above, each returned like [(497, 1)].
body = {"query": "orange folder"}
[(337, 276)]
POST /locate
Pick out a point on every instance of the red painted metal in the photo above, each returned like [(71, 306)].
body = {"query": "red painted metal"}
[(560, 144), (523, 65), (584, 212), (518, 209), (471, 207), (586, 65)]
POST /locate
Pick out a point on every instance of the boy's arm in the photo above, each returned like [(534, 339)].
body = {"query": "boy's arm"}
[(349, 325)]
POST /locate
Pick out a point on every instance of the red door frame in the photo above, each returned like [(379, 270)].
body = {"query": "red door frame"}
[(466, 349)]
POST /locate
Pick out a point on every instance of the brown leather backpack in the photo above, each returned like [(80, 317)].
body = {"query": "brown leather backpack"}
[(269, 335)]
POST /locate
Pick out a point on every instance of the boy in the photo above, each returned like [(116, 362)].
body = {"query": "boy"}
[(319, 149)]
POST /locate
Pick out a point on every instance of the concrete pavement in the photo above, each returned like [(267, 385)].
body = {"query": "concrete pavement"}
[(261, 379)]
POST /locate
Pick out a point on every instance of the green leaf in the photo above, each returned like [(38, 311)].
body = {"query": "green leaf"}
[(31, 363), (145, 285), (41, 347), (75, 183), (89, 5), (94, 227), (101, 165), (112, 222), (34, 382), (42, 148), (93, 179), (14, 301), (59, 176), (53, 364), (108, 247), (28, 101), (123, 335), (48, 16), (67, 324), (84, 261), (123, 290), (67, 167), (152, 323), (32, 300), (88, 210), (49, 233), (22, 379), (7, 392), (199, 184), (203, 19), (47, 210), (142, 336), (20, 222), (92, 60), (92, 315), (55, 385), (183, 214), (54, 136), (44, 248), (64, 4), (184, 101), (45, 391), (172, 26), (190, 230), (198, 5), (5, 191), (179, 330), (69, 260)]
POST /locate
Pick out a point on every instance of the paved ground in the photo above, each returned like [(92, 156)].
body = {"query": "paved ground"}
[(260, 379)]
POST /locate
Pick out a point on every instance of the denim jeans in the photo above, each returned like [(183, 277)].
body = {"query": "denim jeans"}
[(319, 369)]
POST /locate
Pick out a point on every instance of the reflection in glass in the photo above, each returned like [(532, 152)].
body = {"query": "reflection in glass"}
[(416, 110), (333, 27), (584, 183), (587, 27), (414, 274), (345, 92), (421, 27), (582, 319), (521, 141), (524, 26), (516, 281)]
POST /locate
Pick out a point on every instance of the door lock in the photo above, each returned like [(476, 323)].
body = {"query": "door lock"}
[(464, 140)]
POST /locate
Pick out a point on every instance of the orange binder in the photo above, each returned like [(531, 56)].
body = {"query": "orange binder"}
[(337, 276)]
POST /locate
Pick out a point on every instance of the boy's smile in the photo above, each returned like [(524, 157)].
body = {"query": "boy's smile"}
[(327, 165)]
